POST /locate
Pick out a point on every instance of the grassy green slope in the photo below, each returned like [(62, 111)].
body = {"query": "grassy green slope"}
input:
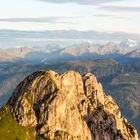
[(11, 130)]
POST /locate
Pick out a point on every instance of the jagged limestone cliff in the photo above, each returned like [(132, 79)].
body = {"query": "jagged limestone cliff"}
[(67, 107)]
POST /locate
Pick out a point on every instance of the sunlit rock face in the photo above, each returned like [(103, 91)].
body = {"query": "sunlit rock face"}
[(69, 107)]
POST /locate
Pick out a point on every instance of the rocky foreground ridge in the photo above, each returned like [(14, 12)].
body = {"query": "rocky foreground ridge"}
[(67, 107)]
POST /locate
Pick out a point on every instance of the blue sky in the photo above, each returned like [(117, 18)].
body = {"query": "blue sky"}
[(98, 15)]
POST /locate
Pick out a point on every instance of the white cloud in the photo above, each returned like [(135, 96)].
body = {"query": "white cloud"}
[(121, 8), (87, 2), (39, 19)]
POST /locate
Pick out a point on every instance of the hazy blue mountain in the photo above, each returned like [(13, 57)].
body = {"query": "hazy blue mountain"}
[(130, 43)]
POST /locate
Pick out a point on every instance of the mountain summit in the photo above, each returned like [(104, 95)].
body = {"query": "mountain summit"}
[(129, 43), (67, 107)]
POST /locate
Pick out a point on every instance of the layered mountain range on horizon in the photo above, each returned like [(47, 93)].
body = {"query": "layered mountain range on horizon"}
[(74, 51)]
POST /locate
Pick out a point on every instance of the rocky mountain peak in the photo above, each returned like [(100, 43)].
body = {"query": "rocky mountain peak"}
[(68, 107), (129, 43)]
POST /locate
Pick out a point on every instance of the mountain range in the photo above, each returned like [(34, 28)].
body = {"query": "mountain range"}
[(77, 51), (116, 65)]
